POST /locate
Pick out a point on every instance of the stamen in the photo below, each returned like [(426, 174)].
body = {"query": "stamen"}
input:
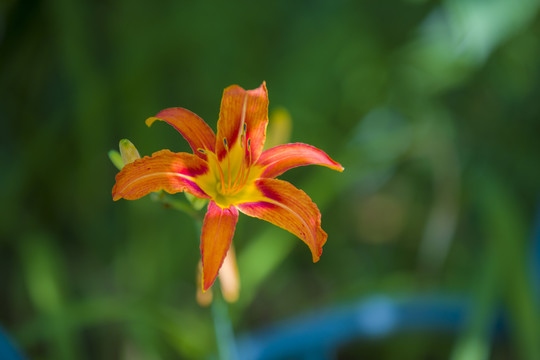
[(228, 160), (242, 183), (244, 108), (222, 177), (249, 151), (242, 127), (244, 174), (249, 162), (239, 175)]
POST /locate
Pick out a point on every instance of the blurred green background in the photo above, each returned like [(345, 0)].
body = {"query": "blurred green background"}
[(431, 106)]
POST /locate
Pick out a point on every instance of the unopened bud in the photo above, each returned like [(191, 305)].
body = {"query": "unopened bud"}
[(128, 151), (116, 159), (228, 277), (279, 128), (196, 203)]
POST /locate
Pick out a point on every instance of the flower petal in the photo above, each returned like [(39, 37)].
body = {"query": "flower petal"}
[(197, 132), (216, 236), (239, 107), (281, 158), (284, 205), (164, 170)]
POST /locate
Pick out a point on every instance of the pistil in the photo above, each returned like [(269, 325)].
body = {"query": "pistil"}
[(228, 160)]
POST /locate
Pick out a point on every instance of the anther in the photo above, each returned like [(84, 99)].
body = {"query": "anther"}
[(225, 143), (201, 151)]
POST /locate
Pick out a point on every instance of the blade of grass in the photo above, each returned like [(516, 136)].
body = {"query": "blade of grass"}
[(503, 279)]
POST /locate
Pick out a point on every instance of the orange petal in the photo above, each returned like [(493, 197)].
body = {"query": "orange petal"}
[(164, 170), (216, 236), (284, 205), (239, 106), (197, 133), (281, 158)]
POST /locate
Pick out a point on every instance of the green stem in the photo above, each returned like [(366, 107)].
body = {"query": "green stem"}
[(223, 327), (179, 205), (475, 341), (504, 280), (222, 322)]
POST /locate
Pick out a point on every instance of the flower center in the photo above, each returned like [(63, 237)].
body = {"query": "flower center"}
[(231, 179), (233, 170), (233, 173)]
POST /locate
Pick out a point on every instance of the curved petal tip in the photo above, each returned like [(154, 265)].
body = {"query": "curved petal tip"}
[(150, 121)]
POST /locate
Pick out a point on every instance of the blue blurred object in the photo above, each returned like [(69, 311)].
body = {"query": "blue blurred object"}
[(7, 349), (317, 336)]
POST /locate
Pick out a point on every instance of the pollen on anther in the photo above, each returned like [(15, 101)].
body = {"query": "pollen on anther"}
[(201, 151)]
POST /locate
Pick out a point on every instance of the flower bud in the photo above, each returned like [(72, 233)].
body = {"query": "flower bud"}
[(128, 151), (228, 277), (196, 203), (279, 128), (116, 159)]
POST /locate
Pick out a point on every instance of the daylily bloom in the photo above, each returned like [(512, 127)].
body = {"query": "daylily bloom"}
[(233, 172)]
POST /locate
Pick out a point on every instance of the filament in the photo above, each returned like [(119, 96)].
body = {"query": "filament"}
[(213, 156), (228, 160), (243, 118), (243, 175)]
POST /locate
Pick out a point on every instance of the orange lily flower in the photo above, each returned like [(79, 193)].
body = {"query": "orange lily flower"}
[(233, 172)]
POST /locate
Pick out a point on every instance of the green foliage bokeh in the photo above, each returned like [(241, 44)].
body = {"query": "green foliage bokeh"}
[(431, 106)]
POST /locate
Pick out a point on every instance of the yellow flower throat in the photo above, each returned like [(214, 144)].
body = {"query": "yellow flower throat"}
[(230, 180)]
